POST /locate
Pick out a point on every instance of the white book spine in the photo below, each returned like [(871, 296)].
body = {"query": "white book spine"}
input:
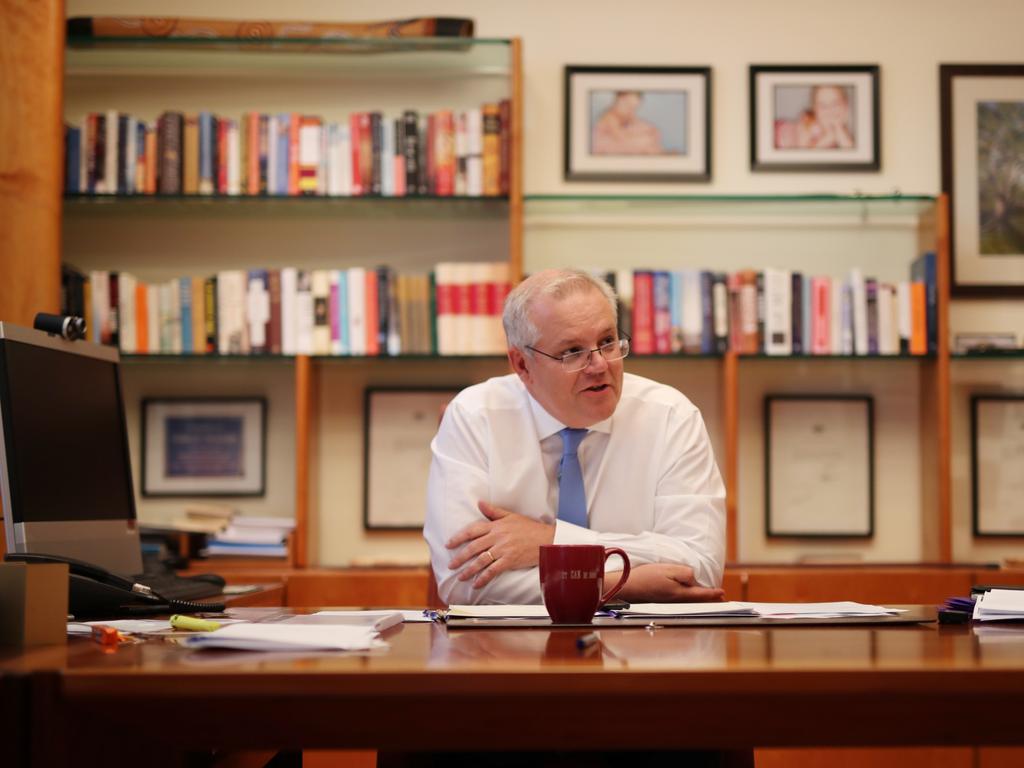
[(232, 334), (344, 160), (153, 319), (126, 312), (321, 313), (836, 320), (692, 310), (289, 287), (903, 310), (858, 297), (304, 313), (234, 159), (257, 304), (474, 152), (99, 281), (387, 157), (778, 312), (357, 310)]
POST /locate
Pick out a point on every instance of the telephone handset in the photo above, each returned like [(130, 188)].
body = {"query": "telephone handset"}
[(97, 593)]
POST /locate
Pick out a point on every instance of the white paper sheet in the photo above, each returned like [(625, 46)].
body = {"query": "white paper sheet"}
[(289, 637)]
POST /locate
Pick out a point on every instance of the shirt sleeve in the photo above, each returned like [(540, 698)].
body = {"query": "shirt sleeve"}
[(689, 509), (458, 480)]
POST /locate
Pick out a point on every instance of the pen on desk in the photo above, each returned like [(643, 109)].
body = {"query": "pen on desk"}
[(585, 641)]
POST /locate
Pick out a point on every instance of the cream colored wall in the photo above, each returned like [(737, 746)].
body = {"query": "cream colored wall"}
[(908, 39)]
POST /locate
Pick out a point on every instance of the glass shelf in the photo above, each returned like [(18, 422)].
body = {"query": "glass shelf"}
[(261, 58), (850, 358), (90, 205), (539, 208), (994, 354)]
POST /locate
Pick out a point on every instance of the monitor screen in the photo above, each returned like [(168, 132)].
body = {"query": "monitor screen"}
[(67, 486)]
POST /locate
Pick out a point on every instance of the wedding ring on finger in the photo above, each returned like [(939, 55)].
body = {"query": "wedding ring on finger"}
[(493, 558)]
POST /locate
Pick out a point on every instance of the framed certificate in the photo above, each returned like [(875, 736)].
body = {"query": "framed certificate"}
[(204, 446), (400, 423), (997, 464), (819, 466)]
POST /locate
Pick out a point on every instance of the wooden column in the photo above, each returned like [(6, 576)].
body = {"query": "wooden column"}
[(515, 176), (31, 157), (731, 407), (942, 384), (305, 456)]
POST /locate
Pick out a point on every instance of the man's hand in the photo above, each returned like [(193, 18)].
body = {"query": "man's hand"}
[(664, 583), (504, 542)]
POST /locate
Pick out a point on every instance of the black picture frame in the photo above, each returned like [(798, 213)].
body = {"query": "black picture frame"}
[(210, 424), (785, 129), (974, 273), (677, 116), (983, 445), (834, 459), (407, 414)]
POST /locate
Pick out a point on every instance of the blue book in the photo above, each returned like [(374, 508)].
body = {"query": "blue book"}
[(185, 294), (707, 303), (676, 300), (283, 123), (346, 347), (923, 270), (662, 313), (72, 158), (207, 148)]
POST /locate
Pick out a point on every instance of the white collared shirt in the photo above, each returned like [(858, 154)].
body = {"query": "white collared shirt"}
[(649, 473)]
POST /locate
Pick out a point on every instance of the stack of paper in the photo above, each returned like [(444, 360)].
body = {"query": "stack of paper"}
[(290, 637), (686, 610), (378, 620), (840, 610), (252, 537), (999, 605), (497, 612)]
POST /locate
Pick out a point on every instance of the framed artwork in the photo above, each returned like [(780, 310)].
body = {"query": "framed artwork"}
[(637, 123), (982, 126), (997, 464), (204, 446), (819, 466), (399, 425), (814, 118)]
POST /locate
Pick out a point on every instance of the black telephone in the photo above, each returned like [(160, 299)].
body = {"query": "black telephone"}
[(94, 593)]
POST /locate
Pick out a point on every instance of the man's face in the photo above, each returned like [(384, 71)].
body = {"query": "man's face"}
[(580, 321)]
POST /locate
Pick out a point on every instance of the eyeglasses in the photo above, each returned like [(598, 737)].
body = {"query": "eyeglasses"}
[(577, 361)]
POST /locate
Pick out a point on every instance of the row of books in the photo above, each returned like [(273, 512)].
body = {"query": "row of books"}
[(778, 312), (455, 310), (443, 153)]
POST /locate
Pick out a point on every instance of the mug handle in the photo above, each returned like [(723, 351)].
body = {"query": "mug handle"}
[(608, 552)]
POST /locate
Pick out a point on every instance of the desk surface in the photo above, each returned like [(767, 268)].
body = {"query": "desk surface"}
[(674, 687)]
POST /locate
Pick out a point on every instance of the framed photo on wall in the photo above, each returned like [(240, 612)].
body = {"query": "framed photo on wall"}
[(399, 425), (819, 466), (637, 123), (997, 465), (814, 118), (204, 446), (982, 126)]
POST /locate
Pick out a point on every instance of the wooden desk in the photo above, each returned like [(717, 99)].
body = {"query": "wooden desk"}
[(531, 689)]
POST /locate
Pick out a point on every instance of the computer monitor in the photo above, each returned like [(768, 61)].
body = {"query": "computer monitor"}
[(65, 471)]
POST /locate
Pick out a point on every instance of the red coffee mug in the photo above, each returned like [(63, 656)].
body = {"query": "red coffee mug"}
[(572, 580)]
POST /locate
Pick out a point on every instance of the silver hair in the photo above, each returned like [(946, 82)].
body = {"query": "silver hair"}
[(556, 283)]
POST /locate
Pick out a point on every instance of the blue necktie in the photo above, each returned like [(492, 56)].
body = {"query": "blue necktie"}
[(572, 499)]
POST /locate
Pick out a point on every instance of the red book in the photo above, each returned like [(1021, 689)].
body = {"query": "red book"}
[(222, 155), (643, 312), (141, 318), (293, 153), (372, 314), (821, 316), (365, 152), (444, 153)]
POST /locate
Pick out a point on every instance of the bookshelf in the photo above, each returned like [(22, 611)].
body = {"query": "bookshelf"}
[(815, 234), (158, 237)]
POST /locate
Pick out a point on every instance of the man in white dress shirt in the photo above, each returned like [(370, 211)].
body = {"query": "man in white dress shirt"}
[(650, 484)]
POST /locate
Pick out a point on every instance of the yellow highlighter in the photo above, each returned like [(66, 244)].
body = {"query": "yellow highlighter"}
[(192, 624)]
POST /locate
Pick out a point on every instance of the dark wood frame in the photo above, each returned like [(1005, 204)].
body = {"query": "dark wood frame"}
[(876, 139), (947, 72), (869, 403), (976, 400), (262, 401), (367, 397), (570, 175)]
